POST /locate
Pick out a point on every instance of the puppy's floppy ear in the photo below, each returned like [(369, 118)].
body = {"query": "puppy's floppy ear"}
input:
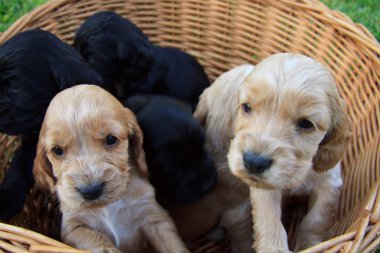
[(136, 151), (218, 104), (43, 170), (201, 111), (80, 73), (333, 145)]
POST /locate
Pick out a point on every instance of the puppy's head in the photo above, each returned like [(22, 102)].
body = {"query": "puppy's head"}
[(88, 144), (128, 54), (176, 73), (290, 120), (181, 170)]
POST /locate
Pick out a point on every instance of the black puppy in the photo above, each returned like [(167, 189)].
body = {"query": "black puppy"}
[(180, 169), (123, 56), (176, 74), (116, 48), (34, 66)]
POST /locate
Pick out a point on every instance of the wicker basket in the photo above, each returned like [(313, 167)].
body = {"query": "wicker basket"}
[(223, 34)]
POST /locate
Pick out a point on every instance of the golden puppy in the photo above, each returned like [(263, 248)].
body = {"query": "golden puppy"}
[(90, 153), (228, 204), (288, 129)]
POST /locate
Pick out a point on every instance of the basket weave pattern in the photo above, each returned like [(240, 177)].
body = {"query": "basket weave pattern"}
[(223, 34)]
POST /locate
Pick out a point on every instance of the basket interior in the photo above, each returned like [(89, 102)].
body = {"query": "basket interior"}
[(224, 34)]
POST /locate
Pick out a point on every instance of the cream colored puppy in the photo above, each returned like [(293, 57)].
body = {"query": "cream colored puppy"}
[(90, 153), (228, 204), (288, 129)]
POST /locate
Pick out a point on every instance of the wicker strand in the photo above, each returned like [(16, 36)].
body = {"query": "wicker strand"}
[(372, 246), (19, 245), (17, 238), (336, 248), (12, 248), (360, 234), (44, 248), (370, 236), (330, 243), (376, 212), (33, 235)]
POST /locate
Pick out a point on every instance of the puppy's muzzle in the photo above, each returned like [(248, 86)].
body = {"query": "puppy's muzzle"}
[(91, 192), (255, 163)]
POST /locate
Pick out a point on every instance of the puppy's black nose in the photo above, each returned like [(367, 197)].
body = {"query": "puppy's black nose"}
[(255, 163), (91, 192)]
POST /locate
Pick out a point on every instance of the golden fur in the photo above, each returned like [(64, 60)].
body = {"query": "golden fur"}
[(126, 216), (228, 204), (281, 91)]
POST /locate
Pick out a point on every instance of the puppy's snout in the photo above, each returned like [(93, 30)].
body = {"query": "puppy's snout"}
[(256, 163), (91, 192)]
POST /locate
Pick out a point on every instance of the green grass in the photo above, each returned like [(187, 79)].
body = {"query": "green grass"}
[(11, 10), (366, 12)]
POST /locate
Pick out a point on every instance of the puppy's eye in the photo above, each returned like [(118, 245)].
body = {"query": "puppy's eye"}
[(246, 107), (58, 151), (305, 124), (111, 140)]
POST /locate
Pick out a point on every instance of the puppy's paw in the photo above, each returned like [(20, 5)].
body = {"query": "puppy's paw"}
[(307, 237), (107, 250), (301, 245)]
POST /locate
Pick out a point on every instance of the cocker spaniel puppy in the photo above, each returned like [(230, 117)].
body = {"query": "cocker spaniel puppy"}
[(90, 153), (34, 66), (180, 169), (228, 204), (117, 49), (126, 60), (288, 130)]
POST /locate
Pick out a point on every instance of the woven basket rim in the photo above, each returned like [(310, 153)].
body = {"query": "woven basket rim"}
[(360, 33)]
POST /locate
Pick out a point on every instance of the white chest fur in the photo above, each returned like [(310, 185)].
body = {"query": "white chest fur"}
[(330, 179), (120, 222)]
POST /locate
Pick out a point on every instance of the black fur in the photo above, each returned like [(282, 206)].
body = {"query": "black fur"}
[(19, 177), (180, 169), (176, 74), (124, 57), (34, 66), (116, 48)]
